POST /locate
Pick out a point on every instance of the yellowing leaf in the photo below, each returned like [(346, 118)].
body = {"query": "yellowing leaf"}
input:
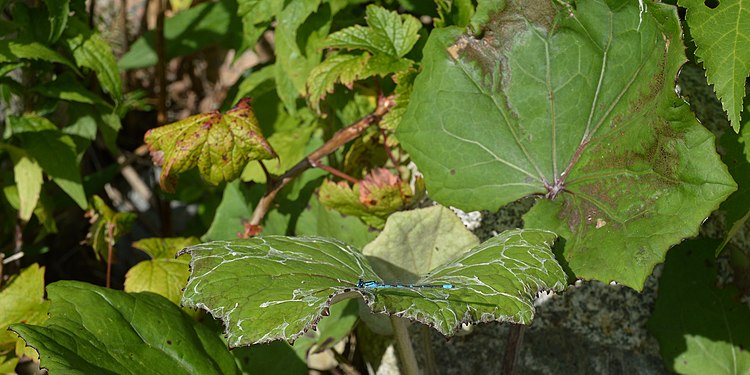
[(722, 38), (164, 248), (165, 277), (220, 146), (21, 301)]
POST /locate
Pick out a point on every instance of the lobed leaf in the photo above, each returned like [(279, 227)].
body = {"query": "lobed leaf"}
[(722, 37), (274, 287), (372, 199), (387, 32), (339, 68), (219, 145), (271, 287), (94, 330), (576, 104)]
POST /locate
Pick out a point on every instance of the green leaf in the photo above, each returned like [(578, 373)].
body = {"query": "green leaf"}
[(29, 179), (163, 274), (339, 68), (254, 85), (372, 199), (107, 226), (289, 136), (256, 17), (330, 330), (58, 18), (204, 25), (414, 242), (67, 87), (289, 283), (13, 50), (737, 207), (234, 210), (454, 12), (404, 86), (722, 38), (164, 248), (578, 106), (165, 277), (701, 329), (219, 145), (387, 32), (91, 51), (318, 220), (276, 357), (21, 300), (53, 150), (297, 55), (94, 330)]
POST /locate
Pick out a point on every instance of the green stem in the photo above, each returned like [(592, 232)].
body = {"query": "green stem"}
[(403, 344), (430, 365)]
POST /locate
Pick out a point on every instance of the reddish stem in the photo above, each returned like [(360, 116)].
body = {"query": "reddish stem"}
[(339, 139), (334, 172)]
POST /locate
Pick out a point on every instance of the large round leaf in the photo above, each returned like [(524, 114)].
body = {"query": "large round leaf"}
[(574, 103)]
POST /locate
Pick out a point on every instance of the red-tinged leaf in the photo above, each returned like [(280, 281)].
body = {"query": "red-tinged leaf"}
[(373, 199), (219, 145)]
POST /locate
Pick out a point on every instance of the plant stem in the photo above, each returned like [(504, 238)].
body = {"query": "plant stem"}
[(430, 365), (334, 172), (403, 344), (512, 349), (110, 243), (339, 139)]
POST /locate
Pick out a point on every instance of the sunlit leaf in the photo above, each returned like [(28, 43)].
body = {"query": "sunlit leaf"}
[(575, 104), (372, 199), (91, 51), (386, 32), (53, 150), (163, 274), (94, 330), (288, 283), (29, 179), (414, 242), (722, 37), (21, 301), (219, 145)]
